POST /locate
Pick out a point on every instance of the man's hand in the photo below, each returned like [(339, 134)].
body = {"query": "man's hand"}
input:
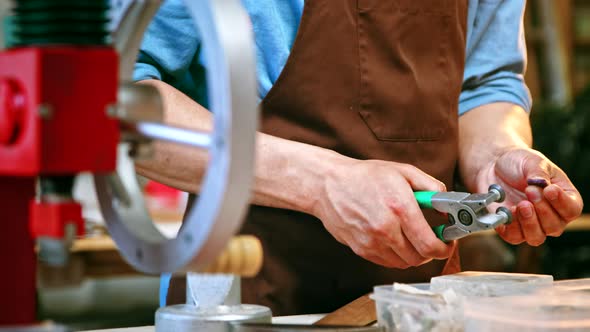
[(538, 212), (370, 206), (494, 145)]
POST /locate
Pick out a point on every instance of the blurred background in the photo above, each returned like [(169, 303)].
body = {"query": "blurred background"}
[(99, 290), (558, 75)]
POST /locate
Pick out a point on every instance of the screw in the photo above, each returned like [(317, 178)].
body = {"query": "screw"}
[(507, 212), (499, 191), (112, 111), (188, 238), (219, 142), (451, 219), (45, 111), (465, 218)]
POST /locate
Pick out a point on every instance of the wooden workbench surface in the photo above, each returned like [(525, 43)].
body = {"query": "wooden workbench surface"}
[(105, 243), (131, 329), (97, 256), (300, 320), (581, 224)]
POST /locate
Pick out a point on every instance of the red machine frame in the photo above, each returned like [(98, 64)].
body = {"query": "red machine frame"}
[(55, 102)]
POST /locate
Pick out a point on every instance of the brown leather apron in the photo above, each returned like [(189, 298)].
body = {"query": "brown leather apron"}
[(370, 79)]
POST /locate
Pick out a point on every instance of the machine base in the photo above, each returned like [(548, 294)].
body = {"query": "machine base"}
[(184, 317)]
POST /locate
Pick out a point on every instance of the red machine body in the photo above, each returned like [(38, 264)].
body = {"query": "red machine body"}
[(53, 121), (62, 125)]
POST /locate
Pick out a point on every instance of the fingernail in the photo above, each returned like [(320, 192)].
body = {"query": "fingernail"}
[(534, 195), (551, 195), (526, 211)]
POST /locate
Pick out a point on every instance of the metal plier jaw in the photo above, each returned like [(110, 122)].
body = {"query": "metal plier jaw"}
[(467, 212)]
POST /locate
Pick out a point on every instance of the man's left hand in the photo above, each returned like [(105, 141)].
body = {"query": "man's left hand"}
[(538, 212)]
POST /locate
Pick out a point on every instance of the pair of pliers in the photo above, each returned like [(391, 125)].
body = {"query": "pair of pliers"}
[(467, 213)]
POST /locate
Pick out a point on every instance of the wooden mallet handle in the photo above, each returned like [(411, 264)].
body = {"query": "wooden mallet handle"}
[(243, 256)]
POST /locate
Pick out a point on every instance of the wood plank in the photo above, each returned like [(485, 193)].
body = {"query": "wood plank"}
[(580, 224), (95, 243), (360, 312), (130, 329), (98, 256)]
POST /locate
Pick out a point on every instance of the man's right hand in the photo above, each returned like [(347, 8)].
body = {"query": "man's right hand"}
[(370, 207), (367, 205)]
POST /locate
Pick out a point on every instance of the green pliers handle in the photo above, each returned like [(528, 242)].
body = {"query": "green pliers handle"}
[(424, 199)]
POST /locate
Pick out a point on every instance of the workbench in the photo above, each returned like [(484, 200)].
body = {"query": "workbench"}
[(97, 256), (301, 320)]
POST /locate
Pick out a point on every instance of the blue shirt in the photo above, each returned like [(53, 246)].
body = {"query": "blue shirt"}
[(495, 63)]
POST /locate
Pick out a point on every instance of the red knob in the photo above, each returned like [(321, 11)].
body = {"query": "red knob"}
[(11, 110)]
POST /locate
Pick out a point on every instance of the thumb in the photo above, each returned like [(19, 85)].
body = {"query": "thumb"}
[(419, 180), (537, 172), (518, 168)]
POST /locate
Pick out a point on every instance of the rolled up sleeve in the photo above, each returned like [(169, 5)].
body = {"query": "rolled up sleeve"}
[(496, 55), (169, 46)]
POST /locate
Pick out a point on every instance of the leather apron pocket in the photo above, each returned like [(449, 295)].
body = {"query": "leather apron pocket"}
[(404, 52)]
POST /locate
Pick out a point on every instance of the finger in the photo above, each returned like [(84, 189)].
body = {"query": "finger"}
[(537, 171), (375, 251), (568, 205), (550, 222), (417, 230), (419, 180), (392, 238), (512, 233), (531, 227), (390, 260), (404, 248)]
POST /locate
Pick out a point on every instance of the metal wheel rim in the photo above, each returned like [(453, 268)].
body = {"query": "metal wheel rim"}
[(217, 215)]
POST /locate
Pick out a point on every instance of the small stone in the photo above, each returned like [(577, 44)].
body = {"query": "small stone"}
[(542, 183)]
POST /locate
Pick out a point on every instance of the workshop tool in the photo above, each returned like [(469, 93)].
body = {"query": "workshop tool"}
[(219, 283), (68, 105), (187, 317), (467, 213), (208, 306)]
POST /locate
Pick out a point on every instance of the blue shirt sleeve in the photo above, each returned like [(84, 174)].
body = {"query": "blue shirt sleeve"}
[(496, 55), (170, 51)]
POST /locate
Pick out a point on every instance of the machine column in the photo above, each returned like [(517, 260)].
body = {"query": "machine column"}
[(17, 253)]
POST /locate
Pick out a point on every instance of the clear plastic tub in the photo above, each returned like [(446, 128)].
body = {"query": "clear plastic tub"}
[(399, 310), (490, 284), (574, 285), (441, 307), (541, 312)]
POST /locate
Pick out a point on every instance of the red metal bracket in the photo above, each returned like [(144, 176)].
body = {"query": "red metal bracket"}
[(50, 219)]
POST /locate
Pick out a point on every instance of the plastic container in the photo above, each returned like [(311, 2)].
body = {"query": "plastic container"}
[(398, 310), (541, 312), (490, 284), (574, 285)]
